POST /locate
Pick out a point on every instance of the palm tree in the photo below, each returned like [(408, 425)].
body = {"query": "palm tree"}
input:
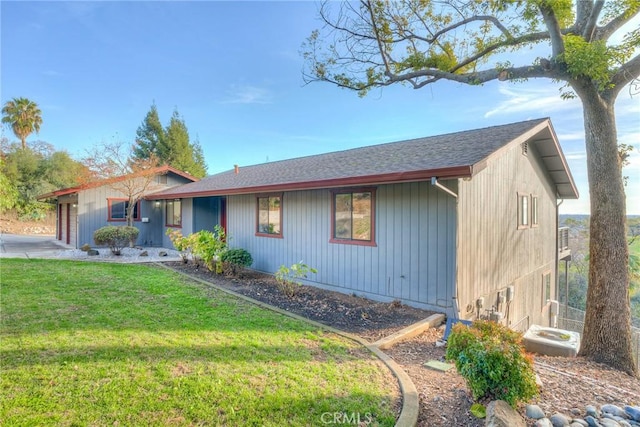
[(24, 116)]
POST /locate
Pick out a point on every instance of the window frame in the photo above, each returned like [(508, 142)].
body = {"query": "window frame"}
[(259, 233), (166, 213), (523, 212), (110, 203), (546, 288), (534, 211), (333, 238)]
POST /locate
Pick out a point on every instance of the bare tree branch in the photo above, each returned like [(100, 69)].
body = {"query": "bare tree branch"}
[(603, 33)]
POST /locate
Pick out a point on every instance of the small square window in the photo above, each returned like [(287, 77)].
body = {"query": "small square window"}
[(353, 217)]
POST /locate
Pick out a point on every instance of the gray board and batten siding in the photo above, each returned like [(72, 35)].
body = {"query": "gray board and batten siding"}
[(84, 209), (493, 252), (432, 250), (413, 258)]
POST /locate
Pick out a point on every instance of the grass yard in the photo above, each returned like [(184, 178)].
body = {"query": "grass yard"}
[(113, 344)]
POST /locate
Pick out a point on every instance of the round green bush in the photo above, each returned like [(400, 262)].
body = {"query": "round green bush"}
[(115, 238), (237, 256), (491, 358)]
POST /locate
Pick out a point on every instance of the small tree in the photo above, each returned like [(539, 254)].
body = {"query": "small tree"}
[(131, 176)]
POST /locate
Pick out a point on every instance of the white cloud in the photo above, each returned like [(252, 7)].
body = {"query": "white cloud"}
[(571, 136), (534, 98), (246, 94), (576, 155)]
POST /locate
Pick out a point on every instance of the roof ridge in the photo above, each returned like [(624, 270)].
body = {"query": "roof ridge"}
[(365, 147)]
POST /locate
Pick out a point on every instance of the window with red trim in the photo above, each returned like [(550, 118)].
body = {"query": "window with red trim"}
[(117, 209), (353, 217), (174, 213), (269, 222)]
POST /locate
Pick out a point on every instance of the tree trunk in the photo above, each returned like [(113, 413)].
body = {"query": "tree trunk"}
[(607, 328)]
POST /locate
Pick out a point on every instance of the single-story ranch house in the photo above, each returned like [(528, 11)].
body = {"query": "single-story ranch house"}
[(83, 209), (463, 223)]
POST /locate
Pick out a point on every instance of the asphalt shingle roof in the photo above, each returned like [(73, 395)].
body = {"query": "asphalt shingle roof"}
[(454, 152)]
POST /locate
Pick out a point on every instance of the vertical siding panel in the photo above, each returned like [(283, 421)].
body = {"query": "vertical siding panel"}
[(380, 266), (414, 251), (510, 256), (408, 219)]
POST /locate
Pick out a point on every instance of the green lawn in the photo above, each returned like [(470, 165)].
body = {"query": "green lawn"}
[(111, 344), (634, 249)]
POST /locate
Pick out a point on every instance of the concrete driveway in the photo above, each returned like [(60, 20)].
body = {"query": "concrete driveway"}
[(22, 246)]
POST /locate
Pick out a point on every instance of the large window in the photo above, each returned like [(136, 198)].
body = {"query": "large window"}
[(353, 217), (523, 210), (174, 213), (118, 210), (269, 215)]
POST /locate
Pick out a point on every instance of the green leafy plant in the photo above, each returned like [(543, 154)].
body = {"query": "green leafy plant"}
[(478, 410), (208, 246), (492, 360), (234, 259), (115, 238), (288, 278), (180, 242)]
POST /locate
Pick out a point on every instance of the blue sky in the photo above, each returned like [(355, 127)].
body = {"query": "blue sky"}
[(234, 72)]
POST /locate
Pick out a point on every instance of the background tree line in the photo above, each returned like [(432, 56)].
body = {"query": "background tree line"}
[(30, 169), (578, 268)]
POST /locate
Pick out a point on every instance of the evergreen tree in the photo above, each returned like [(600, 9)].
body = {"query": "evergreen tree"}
[(171, 145), (149, 135)]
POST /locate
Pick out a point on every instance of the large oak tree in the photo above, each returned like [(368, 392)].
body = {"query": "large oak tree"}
[(374, 43)]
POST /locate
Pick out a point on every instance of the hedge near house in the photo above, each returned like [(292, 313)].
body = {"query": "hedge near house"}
[(115, 238)]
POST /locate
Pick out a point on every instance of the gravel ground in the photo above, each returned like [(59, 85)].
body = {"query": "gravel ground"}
[(128, 255)]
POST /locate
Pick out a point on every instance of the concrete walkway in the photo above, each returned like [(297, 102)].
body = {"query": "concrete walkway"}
[(23, 246)]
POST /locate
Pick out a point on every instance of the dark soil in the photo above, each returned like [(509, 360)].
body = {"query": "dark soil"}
[(363, 317)]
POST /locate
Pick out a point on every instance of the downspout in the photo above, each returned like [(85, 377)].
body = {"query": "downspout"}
[(456, 311), (434, 182), (566, 301)]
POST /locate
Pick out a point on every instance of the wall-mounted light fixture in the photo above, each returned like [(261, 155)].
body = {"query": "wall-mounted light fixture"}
[(74, 205), (157, 203)]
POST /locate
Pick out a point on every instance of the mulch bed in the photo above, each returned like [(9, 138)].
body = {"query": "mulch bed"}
[(363, 317)]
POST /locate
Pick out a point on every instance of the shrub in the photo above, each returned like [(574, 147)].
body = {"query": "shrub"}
[(491, 358), (209, 246), (114, 237), (180, 242), (288, 278), (233, 259)]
